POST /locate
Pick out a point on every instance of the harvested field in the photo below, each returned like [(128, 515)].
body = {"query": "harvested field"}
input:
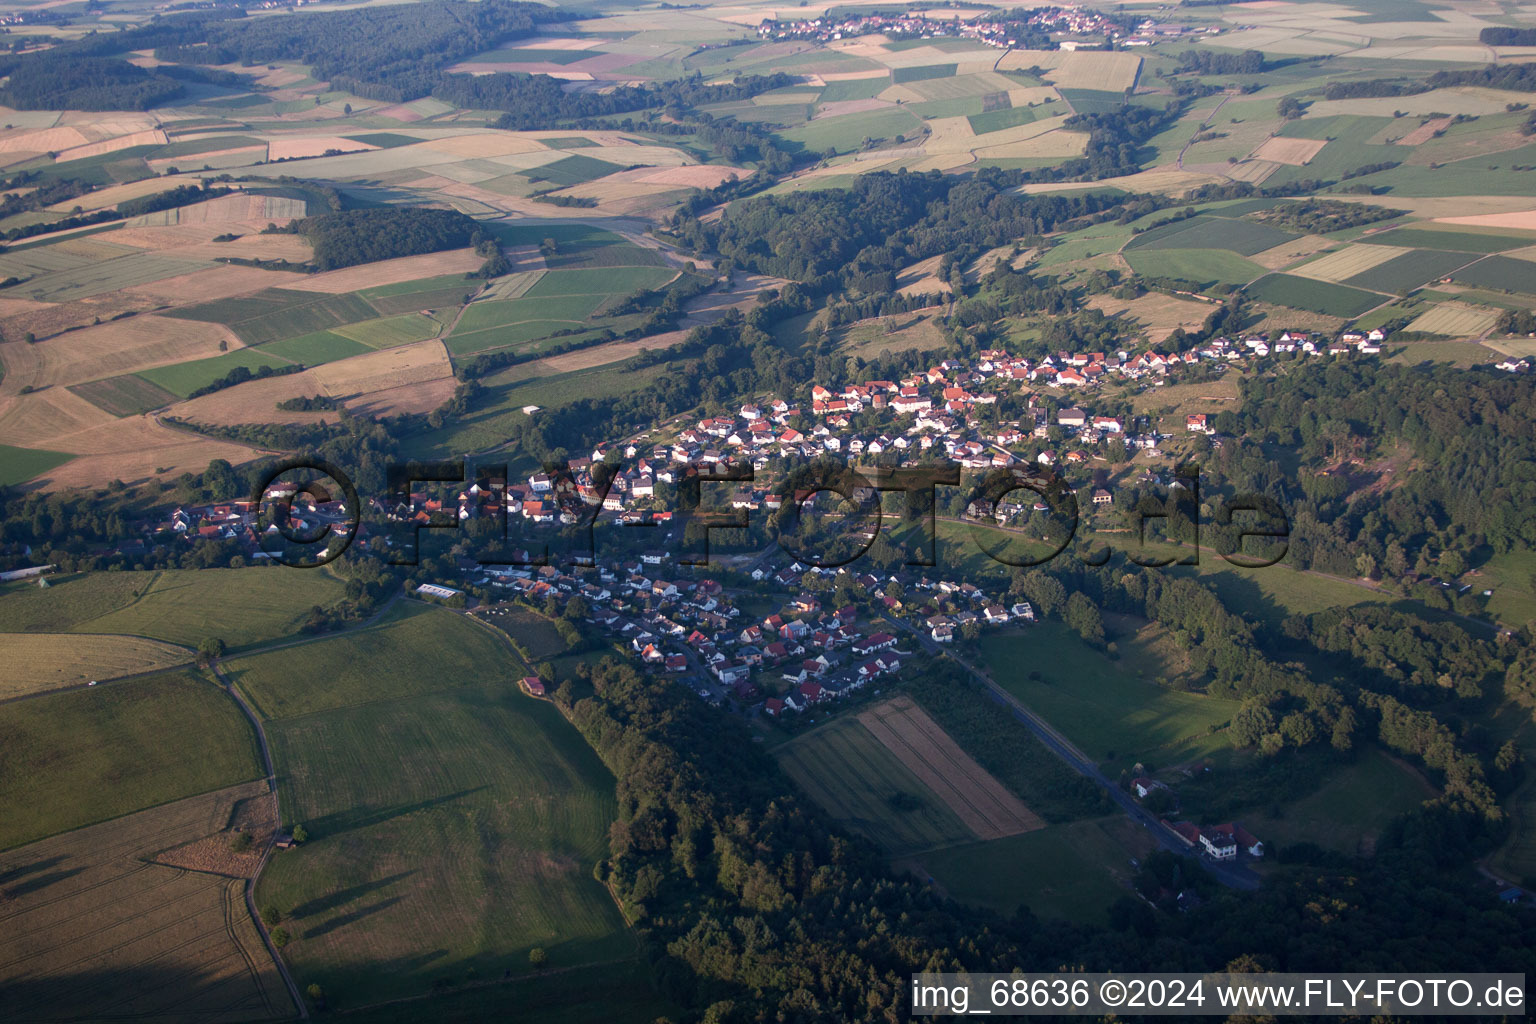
[(152, 137), (234, 208), (1347, 262), (1289, 252), (922, 278), (38, 419), (1085, 69), (95, 931), (385, 369), (46, 140), (255, 401), (135, 449), (308, 146), (36, 662), (1159, 315), (388, 272), (859, 781), (1521, 220), (483, 144), (692, 175), (1456, 320), (986, 807), (1296, 152), (1424, 132), (123, 346), (225, 280)]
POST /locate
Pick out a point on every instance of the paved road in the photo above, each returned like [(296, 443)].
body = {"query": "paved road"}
[(1235, 876)]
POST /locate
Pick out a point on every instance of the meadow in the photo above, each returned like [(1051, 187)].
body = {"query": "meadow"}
[(1067, 872), (94, 754), (18, 465), (1208, 232), (242, 607), (68, 601), (449, 833), (413, 647), (1111, 715), (1202, 266), (845, 769), (181, 379)]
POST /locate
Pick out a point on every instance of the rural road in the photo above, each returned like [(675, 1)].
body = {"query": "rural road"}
[(1233, 876)]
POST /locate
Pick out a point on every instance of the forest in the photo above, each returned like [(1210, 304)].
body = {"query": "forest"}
[(346, 238), (55, 79)]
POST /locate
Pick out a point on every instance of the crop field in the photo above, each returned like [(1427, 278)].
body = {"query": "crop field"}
[(1346, 263), (68, 601), (277, 313), (416, 647), (21, 464), (314, 349), (1112, 716), (1455, 320), (390, 331), (1502, 273), (115, 749), (1068, 872), (855, 778), (847, 133), (1460, 241), (127, 395), (37, 662), (1202, 266), (95, 931), (1007, 117), (607, 281), (1317, 296), (1412, 269), (183, 606), (448, 831), (1205, 232), (184, 378)]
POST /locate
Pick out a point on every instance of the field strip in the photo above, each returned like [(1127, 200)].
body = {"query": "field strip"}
[(980, 801)]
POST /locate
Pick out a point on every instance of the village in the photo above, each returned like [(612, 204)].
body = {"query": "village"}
[(1074, 21)]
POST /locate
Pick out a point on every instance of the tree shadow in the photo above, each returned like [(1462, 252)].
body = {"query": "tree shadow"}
[(346, 821), (343, 896), (352, 918)]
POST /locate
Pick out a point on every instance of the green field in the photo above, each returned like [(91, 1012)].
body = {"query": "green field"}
[(181, 379), (605, 281), (183, 606), (68, 601), (854, 778), (315, 349), (577, 245), (18, 465), (1201, 266), (854, 89), (449, 290), (1350, 809), (1402, 274), (1093, 101), (1114, 717), (277, 313), (393, 330), (901, 76), (127, 395), (1461, 241), (573, 170), (1503, 273), (847, 132), (1007, 117), (1317, 296), (534, 633), (75, 758), (415, 647), (1207, 232), (1061, 872), (449, 832)]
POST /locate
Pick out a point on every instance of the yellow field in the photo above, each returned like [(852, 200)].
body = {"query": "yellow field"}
[(35, 662), (1159, 315), (1296, 152), (1286, 253), (124, 346), (1087, 69), (374, 275), (280, 148), (1347, 262), (1523, 220), (1455, 319)]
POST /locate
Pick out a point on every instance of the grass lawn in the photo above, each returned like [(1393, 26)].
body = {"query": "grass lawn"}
[(449, 832), (18, 465), (1349, 811), (88, 755), (1098, 704), (845, 769), (415, 648), (1063, 872), (240, 606), (67, 601)]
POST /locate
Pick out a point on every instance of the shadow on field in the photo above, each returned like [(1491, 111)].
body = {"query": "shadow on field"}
[(346, 821), (355, 916), (347, 895), (27, 869), (32, 885)]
